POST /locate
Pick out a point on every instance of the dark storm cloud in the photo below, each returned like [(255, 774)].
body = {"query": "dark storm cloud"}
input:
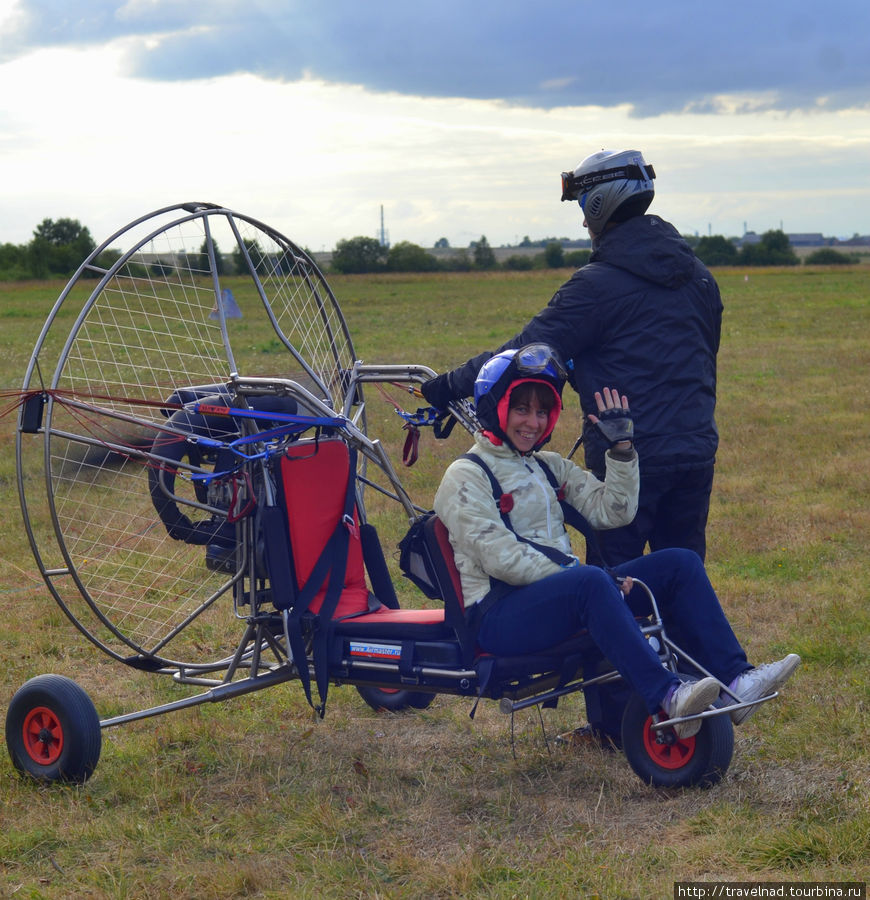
[(658, 57)]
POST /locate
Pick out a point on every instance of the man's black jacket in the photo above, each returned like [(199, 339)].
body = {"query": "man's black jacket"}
[(644, 316)]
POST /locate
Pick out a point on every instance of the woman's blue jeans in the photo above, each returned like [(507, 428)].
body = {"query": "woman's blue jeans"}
[(537, 616)]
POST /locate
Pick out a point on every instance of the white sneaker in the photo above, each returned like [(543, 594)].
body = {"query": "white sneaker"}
[(689, 698), (759, 682)]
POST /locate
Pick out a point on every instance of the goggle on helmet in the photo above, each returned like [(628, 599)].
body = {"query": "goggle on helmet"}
[(611, 186), (535, 363)]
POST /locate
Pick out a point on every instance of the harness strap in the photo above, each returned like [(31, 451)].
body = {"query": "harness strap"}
[(571, 514), (504, 504), (331, 565)]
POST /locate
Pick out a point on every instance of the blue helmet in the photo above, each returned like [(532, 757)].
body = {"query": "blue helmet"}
[(499, 375)]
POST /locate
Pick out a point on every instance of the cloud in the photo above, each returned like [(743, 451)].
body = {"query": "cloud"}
[(668, 56)]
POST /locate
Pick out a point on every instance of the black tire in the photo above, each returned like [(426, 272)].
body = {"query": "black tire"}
[(394, 699), (669, 761), (53, 730)]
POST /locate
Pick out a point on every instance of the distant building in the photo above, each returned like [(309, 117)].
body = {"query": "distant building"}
[(808, 239), (811, 239)]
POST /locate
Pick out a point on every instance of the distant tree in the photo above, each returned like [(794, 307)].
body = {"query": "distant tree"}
[(63, 231), (519, 262), (773, 249), (13, 263), (358, 255), (442, 244), (255, 252), (554, 255), (408, 257), (109, 257), (716, 250), (526, 241), (58, 247), (827, 256), (198, 262), (577, 258), (776, 241), (219, 262), (484, 257), (458, 261), (161, 269)]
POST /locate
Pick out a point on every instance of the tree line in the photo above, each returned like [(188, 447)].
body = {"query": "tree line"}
[(772, 249), (59, 246), (364, 254), (57, 249)]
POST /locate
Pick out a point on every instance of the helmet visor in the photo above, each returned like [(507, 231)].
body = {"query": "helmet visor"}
[(537, 359)]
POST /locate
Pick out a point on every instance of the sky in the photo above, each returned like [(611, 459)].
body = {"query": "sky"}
[(456, 118)]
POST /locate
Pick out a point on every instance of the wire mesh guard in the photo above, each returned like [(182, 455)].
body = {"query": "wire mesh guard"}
[(133, 330)]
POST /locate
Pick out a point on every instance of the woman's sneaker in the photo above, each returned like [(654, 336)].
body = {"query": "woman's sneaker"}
[(689, 698), (759, 682)]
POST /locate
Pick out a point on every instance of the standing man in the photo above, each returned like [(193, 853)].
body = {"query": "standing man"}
[(644, 315)]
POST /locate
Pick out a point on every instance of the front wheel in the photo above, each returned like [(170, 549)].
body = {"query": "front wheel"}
[(394, 699), (662, 759), (53, 730)]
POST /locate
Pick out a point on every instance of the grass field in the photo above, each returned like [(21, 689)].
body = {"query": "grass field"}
[(256, 799)]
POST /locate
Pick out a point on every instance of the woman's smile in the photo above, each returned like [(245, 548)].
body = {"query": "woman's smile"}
[(526, 424)]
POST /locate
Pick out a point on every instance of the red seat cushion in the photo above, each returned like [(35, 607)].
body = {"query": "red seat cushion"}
[(314, 480), (384, 615)]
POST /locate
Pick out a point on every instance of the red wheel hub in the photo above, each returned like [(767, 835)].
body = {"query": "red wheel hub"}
[(43, 736), (665, 748)]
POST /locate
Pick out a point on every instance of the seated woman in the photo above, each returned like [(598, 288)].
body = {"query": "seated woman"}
[(519, 561)]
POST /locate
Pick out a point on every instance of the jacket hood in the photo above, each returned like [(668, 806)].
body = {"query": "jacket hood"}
[(667, 259), (498, 435)]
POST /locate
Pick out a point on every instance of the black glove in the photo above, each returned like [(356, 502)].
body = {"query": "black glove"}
[(437, 391), (615, 425)]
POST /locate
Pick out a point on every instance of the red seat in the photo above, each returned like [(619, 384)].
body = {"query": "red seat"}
[(314, 482)]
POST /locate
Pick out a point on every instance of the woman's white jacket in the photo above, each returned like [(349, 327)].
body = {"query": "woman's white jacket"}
[(484, 547)]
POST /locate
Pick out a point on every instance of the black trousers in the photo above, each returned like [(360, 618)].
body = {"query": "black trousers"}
[(672, 512)]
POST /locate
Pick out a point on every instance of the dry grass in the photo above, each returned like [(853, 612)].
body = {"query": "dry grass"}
[(254, 799)]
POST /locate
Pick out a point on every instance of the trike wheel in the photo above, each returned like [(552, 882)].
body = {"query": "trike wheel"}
[(394, 699), (664, 760), (53, 730)]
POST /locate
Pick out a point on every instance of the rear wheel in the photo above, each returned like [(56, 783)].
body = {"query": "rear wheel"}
[(53, 730), (394, 699), (662, 759)]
